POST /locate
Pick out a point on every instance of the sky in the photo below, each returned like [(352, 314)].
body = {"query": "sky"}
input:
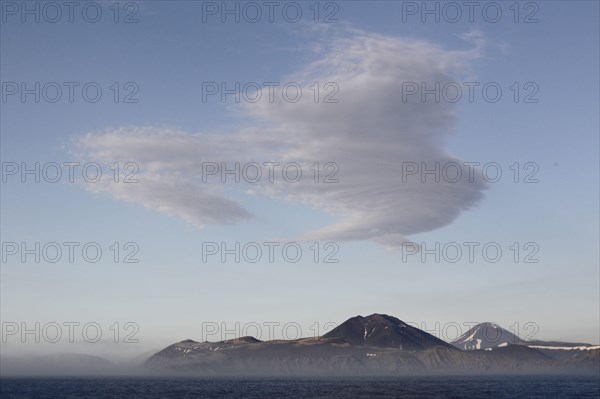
[(148, 89)]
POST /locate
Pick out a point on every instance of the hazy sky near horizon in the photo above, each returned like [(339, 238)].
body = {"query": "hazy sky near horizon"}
[(158, 120)]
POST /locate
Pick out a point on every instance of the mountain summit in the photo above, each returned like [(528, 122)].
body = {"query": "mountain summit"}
[(383, 331), (485, 336)]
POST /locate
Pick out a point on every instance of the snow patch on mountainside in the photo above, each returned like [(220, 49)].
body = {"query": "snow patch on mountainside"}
[(565, 348)]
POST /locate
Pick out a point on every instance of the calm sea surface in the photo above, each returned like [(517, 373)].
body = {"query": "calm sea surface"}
[(402, 387)]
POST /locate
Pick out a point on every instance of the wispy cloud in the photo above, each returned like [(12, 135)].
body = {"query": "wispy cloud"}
[(369, 133)]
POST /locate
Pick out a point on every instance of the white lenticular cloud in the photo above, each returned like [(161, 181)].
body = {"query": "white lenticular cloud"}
[(370, 132)]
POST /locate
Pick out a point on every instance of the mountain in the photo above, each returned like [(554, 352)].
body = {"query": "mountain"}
[(383, 331), (490, 336), (373, 345), (486, 336)]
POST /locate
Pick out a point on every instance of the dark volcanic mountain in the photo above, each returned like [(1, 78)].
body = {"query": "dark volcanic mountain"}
[(373, 345), (383, 331)]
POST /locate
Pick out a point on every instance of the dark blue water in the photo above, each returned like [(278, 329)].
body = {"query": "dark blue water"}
[(401, 387)]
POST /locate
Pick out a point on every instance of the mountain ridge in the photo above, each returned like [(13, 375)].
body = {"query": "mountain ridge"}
[(377, 344)]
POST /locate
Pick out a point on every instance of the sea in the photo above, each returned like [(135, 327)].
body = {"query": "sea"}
[(497, 387)]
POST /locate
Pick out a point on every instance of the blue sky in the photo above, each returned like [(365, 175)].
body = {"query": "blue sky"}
[(369, 214)]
